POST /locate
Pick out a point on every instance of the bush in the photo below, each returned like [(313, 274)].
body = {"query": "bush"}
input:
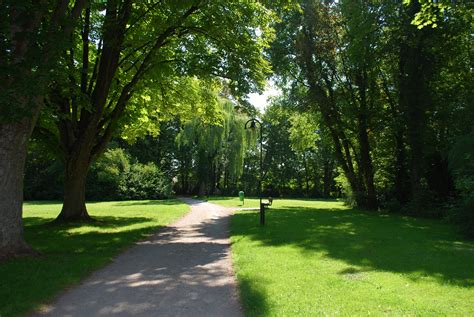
[(116, 176), (107, 174), (145, 181)]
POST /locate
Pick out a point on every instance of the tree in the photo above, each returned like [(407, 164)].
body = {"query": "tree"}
[(33, 34), (337, 78), (214, 152), (123, 65)]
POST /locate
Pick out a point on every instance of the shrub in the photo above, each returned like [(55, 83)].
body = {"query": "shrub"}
[(107, 174), (145, 181), (116, 176)]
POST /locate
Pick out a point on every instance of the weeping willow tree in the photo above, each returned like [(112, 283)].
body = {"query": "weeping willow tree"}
[(213, 151)]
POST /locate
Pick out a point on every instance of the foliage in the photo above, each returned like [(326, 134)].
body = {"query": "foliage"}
[(118, 176), (462, 164), (213, 152), (81, 248), (432, 13), (108, 174), (115, 176), (389, 97), (297, 161), (32, 36), (130, 66), (145, 181), (43, 174)]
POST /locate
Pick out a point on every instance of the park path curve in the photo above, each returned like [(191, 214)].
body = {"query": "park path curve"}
[(183, 270)]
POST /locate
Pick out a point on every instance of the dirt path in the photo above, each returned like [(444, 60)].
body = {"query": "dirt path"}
[(184, 270)]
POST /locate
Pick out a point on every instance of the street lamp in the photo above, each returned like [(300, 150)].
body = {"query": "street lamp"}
[(252, 124)]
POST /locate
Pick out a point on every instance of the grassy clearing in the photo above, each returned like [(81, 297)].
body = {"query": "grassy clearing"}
[(320, 258), (71, 252)]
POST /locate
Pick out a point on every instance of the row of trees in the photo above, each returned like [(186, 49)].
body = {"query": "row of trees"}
[(390, 88), (375, 96), (194, 157), (201, 158)]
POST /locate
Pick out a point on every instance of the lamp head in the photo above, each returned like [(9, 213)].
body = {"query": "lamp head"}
[(253, 125)]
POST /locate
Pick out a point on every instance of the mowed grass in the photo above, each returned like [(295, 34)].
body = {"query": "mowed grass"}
[(320, 258), (71, 252)]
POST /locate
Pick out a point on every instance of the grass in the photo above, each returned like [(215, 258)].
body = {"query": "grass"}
[(71, 252), (320, 258)]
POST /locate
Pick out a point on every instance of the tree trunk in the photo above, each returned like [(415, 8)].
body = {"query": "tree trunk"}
[(366, 165), (414, 67), (401, 177), (327, 179), (74, 205), (202, 188), (306, 175), (13, 148)]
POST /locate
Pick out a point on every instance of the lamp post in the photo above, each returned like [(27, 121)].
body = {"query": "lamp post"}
[(252, 124)]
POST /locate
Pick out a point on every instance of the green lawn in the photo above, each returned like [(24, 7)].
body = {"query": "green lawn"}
[(320, 258), (71, 252)]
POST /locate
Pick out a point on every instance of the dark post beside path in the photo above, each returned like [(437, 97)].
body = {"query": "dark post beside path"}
[(252, 124)]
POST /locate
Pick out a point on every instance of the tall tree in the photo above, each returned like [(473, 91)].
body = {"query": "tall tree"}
[(125, 61), (214, 151), (415, 65), (32, 36), (338, 78)]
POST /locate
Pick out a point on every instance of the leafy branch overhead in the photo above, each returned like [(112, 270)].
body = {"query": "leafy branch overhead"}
[(131, 65)]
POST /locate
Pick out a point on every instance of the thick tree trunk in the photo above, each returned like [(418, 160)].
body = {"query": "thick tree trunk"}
[(13, 148), (74, 205), (414, 100)]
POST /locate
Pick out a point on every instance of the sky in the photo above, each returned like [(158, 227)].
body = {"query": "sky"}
[(261, 101)]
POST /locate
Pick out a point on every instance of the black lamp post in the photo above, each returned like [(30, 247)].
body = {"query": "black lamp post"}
[(252, 124)]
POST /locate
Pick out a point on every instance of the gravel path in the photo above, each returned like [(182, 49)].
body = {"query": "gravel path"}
[(184, 270)]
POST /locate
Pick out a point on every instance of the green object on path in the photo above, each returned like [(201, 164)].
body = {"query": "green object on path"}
[(242, 197)]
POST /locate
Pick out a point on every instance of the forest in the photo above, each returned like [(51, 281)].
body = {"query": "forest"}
[(121, 99)]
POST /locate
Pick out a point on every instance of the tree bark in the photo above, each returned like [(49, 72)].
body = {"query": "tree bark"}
[(401, 177), (413, 100), (327, 179), (74, 205), (13, 148), (366, 164)]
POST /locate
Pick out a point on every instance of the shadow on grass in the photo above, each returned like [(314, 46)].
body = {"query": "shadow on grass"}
[(167, 202), (103, 222), (253, 297), (369, 241), (43, 202)]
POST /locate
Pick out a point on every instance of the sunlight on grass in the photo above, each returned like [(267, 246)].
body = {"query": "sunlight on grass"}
[(71, 252), (321, 258)]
